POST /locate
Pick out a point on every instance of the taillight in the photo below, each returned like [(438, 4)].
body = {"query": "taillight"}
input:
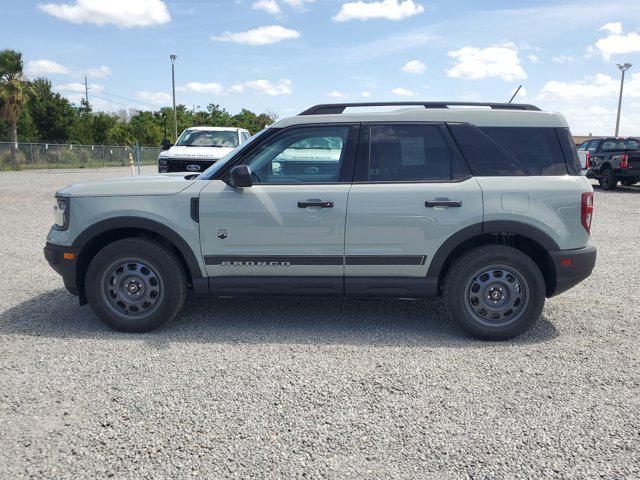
[(586, 212), (587, 162), (624, 161)]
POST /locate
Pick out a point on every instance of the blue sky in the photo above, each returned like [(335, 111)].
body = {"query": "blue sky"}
[(285, 55)]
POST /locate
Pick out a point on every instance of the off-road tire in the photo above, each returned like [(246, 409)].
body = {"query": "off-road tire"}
[(156, 269), (461, 280), (608, 180)]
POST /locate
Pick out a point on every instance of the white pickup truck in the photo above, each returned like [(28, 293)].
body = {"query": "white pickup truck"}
[(585, 150), (200, 147)]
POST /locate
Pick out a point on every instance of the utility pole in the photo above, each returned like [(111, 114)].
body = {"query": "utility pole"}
[(173, 88), (86, 91), (623, 68)]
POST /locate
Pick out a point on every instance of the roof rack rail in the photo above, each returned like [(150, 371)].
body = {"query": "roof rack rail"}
[(333, 108)]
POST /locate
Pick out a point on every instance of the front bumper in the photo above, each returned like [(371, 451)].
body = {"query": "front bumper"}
[(572, 267), (64, 265)]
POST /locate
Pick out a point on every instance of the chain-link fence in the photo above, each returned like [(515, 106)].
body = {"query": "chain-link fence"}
[(29, 156)]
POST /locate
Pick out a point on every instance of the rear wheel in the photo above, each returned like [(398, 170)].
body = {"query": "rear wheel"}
[(494, 292), (608, 180), (135, 285)]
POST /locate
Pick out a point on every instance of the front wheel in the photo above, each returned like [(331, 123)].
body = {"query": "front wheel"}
[(494, 292), (135, 285)]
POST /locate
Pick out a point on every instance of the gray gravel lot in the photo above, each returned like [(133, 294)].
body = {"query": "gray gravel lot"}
[(314, 387)]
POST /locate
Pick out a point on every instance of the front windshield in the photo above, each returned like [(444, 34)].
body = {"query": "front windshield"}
[(210, 172), (208, 138)]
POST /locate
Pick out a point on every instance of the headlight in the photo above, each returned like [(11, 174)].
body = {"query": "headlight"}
[(61, 213)]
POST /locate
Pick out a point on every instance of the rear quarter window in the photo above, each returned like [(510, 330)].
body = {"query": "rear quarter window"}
[(571, 157), (511, 151)]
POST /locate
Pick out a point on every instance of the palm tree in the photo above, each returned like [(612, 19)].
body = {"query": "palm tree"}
[(12, 87)]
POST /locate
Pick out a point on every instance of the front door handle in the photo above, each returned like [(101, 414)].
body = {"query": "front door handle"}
[(443, 203), (315, 203)]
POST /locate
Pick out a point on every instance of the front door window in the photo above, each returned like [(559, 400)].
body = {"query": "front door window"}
[(301, 155)]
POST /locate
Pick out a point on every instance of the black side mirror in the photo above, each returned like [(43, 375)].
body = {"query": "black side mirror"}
[(240, 176)]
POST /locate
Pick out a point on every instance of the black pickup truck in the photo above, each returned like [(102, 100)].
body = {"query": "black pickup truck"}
[(612, 160)]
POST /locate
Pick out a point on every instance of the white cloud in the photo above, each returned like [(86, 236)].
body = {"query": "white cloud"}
[(613, 28), (74, 92), (403, 92), (44, 67), (386, 9), (123, 13), (237, 88), (211, 87), (155, 98), (297, 3), (259, 36), (563, 59), (598, 119), (99, 72), (617, 44), (77, 87), (283, 87), (476, 63), (533, 58), (471, 96), (335, 94), (366, 94), (269, 6), (414, 66), (594, 87)]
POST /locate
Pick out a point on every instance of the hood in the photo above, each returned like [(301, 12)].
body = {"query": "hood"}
[(130, 186), (196, 153)]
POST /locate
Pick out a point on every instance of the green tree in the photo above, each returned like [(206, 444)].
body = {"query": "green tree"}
[(81, 130), (145, 128), (33, 111), (52, 114), (12, 92), (102, 125)]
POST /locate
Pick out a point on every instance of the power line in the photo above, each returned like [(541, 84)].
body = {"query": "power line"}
[(98, 92)]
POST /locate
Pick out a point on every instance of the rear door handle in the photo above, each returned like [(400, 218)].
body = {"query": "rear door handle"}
[(443, 203), (315, 203)]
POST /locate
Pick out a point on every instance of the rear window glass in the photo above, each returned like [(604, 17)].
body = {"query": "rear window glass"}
[(510, 151), (621, 144)]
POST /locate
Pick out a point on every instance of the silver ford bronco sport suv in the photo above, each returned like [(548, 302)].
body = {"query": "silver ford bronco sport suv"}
[(483, 204)]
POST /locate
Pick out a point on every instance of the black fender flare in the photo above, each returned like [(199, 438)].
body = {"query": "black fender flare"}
[(153, 226), (479, 229)]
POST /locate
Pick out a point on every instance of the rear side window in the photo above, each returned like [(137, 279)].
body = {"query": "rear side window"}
[(484, 156), (510, 151), (408, 153)]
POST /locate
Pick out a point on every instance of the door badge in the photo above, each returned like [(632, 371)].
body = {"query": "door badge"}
[(222, 233)]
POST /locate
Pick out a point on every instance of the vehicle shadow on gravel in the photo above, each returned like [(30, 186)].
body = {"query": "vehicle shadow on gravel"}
[(266, 320)]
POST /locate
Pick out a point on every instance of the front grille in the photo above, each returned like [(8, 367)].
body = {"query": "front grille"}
[(184, 165)]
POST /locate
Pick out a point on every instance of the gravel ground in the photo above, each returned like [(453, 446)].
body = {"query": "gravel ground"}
[(314, 388)]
